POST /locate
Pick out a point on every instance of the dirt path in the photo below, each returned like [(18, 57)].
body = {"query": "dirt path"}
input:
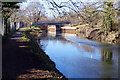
[(18, 61)]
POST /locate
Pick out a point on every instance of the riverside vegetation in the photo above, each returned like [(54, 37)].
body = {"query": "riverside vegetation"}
[(98, 34)]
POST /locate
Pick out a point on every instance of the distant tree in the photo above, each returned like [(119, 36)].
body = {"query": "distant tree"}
[(108, 15), (86, 12), (90, 13), (7, 9), (34, 12)]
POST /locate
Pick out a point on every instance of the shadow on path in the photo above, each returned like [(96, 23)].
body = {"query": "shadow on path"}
[(17, 58)]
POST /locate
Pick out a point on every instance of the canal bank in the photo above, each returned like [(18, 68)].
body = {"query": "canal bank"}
[(91, 33), (99, 34), (30, 35)]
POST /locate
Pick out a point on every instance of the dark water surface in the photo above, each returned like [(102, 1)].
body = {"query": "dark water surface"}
[(80, 58)]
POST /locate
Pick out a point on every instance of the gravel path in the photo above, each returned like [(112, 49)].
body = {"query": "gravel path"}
[(19, 62)]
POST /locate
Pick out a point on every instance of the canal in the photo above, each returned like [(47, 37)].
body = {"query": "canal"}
[(76, 57)]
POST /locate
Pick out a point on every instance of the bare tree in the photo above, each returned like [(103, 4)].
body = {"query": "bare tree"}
[(80, 8), (33, 12), (8, 8)]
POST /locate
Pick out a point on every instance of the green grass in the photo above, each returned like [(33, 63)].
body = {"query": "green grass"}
[(23, 36), (26, 29), (33, 27)]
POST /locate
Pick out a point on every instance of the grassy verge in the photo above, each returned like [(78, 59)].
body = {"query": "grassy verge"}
[(34, 47)]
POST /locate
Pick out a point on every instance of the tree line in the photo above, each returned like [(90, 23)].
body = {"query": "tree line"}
[(102, 14), (95, 14)]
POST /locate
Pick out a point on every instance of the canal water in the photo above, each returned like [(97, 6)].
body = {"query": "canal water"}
[(76, 57)]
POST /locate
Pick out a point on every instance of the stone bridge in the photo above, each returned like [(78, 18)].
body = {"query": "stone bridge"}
[(55, 25)]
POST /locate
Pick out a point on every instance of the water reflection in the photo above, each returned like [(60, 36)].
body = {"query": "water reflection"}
[(106, 55), (88, 49), (80, 58)]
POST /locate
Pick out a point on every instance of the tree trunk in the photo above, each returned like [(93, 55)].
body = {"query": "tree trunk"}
[(8, 24), (15, 25), (6, 28)]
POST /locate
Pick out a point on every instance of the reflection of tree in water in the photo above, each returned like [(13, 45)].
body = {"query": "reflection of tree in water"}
[(106, 55), (88, 49)]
